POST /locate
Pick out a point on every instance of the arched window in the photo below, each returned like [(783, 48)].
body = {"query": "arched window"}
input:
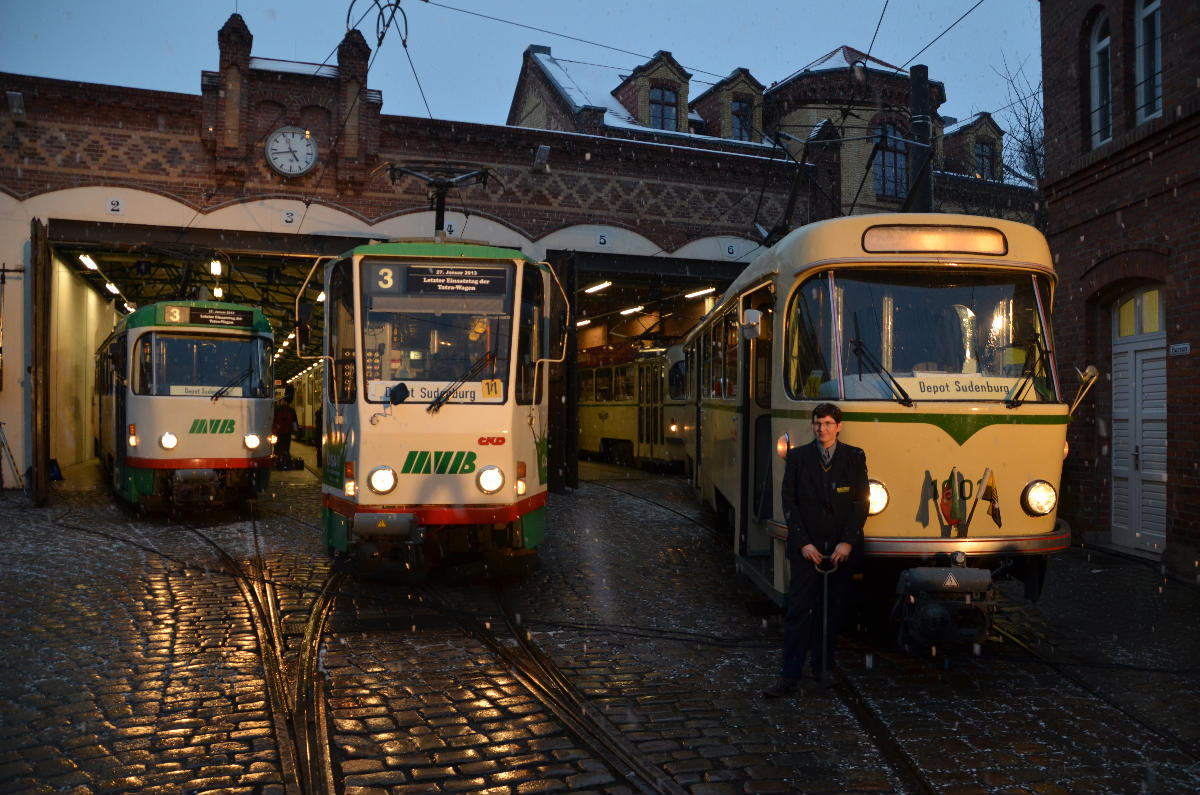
[(1100, 82), (1148, 61), (891, 162)]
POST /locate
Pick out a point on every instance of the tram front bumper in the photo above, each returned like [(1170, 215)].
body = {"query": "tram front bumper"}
[(944, 605), (400, 526)]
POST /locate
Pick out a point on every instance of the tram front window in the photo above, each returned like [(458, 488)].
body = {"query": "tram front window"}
[(428, 326), (944, 335), (202, 365)]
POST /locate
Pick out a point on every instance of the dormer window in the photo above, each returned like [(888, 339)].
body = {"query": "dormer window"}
[(664, 109), (985, 160), (741, 113)]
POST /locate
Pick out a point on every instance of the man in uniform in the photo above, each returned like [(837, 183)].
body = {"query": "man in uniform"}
[(825, 498)]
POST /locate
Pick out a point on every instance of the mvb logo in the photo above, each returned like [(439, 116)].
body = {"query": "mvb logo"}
[(212, 426), (439, 462)]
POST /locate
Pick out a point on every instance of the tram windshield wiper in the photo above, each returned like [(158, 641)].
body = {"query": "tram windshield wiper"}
[(864, 355), (472, 371), (1033, 363), (237, 379)]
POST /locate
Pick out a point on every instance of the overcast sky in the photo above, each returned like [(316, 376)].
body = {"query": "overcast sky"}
[(463, 56)]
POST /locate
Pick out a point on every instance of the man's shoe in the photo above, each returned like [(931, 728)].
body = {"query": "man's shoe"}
[(782, 686)]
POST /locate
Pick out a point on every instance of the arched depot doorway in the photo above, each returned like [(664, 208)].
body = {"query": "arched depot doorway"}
[(1139, 421)]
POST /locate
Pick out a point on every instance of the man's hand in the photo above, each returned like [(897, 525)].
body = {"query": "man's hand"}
[(840, 553), (809, 552)]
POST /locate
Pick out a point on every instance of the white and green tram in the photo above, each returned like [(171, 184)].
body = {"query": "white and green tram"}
[(184, 394), (435, 406)]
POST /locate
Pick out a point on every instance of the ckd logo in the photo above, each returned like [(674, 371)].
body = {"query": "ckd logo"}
[(212, 426), (439, 462)]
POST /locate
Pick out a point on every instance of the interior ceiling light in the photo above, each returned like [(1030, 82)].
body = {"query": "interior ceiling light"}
[(584, 322), (699, 293), (112, 288), (88, 262), (214, 267), (595, 288), (632, 309)]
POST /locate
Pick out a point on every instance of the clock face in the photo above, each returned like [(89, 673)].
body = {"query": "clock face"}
[(292, 151)]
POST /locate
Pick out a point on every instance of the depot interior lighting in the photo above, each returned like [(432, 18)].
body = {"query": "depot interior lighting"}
[(112, 288), (584, 322), (214, 267), (88, 262), (632, 309), (218, 292), (699, 293), (595, 288)]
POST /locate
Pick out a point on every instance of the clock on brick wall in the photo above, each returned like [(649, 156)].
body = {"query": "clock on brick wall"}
[(291, 151)]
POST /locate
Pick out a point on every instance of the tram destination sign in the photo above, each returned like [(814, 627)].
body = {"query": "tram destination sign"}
[(426, 279), (207, 316)]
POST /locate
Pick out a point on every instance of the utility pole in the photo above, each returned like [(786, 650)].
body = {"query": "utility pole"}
[(920, 158)]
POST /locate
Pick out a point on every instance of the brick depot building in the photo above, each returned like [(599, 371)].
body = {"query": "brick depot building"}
[(648, 182), (1122, 111)]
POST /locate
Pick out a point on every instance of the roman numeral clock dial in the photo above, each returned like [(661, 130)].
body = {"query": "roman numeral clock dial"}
[(291, 151)]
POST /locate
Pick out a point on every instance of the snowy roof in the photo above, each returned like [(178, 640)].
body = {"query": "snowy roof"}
[(589, 85), (965, 123)]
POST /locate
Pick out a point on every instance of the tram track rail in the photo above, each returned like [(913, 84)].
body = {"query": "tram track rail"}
[(295, 689), (904, 766), (295, 686), (551, 686)]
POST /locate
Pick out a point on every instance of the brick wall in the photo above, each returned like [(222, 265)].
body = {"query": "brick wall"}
[(1121, 216)]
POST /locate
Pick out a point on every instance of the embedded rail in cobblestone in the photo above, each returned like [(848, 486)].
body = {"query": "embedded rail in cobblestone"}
[(298, 705)]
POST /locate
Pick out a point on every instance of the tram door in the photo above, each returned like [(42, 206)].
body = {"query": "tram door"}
[(758, 448), (650, 411)]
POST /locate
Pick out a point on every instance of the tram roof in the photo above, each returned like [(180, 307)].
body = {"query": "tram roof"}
[(844, 239), (201, 314), (438, 250)]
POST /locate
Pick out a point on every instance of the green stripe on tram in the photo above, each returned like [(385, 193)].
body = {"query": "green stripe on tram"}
[(959, 427)]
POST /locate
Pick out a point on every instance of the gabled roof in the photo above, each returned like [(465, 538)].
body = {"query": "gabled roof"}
[(741, 73), (972, 121), (585, 85)]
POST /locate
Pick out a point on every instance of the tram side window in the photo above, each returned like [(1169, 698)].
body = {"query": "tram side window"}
[(623, 382), (529, 337), (587, 386), (343, 386), (730, 328), (677, 381), (808, 337), (604, 378)]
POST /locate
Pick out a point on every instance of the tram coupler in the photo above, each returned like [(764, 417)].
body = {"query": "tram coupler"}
[(944, 606)]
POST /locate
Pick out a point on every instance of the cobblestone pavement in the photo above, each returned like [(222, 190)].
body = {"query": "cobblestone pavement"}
[(128, 664)]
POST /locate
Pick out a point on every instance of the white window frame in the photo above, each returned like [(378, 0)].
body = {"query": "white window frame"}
[(1148, 59)]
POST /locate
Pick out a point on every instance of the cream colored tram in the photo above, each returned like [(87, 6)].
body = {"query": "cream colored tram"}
[(932, 333)]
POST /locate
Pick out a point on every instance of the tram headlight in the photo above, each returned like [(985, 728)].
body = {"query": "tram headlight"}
[(878, 499), (1039, 498), (382, 479), (782, 445), (490, 479), (168, 440), (252, 441)]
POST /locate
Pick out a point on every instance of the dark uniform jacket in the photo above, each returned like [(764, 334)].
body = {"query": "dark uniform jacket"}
[(825, 507)]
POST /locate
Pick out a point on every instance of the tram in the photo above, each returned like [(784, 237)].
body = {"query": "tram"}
[(632, 412), (184, 395), (435, 403), (932, 333)]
